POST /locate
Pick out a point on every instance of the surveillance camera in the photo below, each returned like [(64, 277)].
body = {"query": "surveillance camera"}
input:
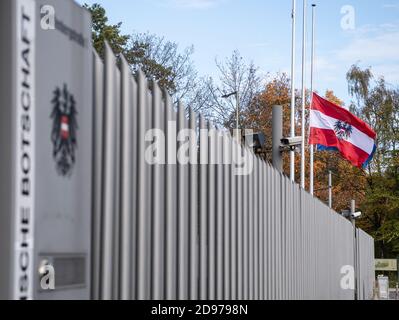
[(255, 141), (356, 215), (346, 213), (290, 143)]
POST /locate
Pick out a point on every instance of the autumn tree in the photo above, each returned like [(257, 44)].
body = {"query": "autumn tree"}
[(258, 116), (234, 75), (158, 58), (377, 103), (348, 181)]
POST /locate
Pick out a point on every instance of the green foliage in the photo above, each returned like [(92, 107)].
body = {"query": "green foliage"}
[(378, 104), (359, 81), (389, 231), (159, 59), (102, 31)]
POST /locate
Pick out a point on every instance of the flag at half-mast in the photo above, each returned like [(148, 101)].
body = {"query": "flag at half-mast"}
[(334, 128)]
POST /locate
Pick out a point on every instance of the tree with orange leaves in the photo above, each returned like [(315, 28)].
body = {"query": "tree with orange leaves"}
[(349, 182)]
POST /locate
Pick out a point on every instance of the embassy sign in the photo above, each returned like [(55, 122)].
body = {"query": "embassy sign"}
[(25, 150), (45, 143)]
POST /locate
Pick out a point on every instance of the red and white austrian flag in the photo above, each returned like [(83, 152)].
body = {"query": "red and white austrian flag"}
[(336, 129)]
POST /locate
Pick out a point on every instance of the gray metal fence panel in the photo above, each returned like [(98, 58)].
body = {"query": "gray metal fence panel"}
[(203, 209), (170, 203), (262, 231), (251, 215), (211, 214), (193, 211), (133, 231), (143, 211), (256, 228), (246, 225), (219, 217), (365, 271), (240, 233), (98, 101), (227, 216), (109, 173), (175, 230), (233, 230), (182, 207), (116, 255), (158, 216), (126, 180)]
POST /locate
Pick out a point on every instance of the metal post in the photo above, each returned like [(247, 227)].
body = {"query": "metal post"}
[(108, 204), (182, 217), (194, 237), (134, 219), (98, 174), (311, 92), (203, 209), (126, 180), (227, 213), (143, 262), (211, 214), (330, 189), (303, 96), (238, 111), (292, 153), (277, 128), (240, 226), (170, 203), (353, 210), (219, 215), (397, 279), (234, 210), (158, 247)]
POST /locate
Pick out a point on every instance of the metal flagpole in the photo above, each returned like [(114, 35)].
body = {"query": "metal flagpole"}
[(303, 96), (292, 154), (237, 111), (311, 92)]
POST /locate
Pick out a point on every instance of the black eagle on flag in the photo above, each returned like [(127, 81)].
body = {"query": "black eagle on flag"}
[(63, 135), (343, 130)]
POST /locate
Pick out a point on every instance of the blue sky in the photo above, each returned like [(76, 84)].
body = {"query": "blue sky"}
[(261, 31)]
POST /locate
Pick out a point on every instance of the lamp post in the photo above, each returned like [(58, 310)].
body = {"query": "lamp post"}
[(293, 48), (352, 215), (235, 93), (353, 219)]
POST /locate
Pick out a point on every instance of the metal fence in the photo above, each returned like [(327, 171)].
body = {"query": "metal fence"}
[(365, 265), (199, 231)]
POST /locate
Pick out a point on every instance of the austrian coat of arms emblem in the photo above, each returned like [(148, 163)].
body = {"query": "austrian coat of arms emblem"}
[(343, 130), (63, 135)]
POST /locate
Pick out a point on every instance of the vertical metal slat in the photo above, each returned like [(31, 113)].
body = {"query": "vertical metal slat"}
[(109, 165)]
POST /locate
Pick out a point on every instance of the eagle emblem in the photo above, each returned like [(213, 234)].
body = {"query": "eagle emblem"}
[(343, 130), (63, 135)]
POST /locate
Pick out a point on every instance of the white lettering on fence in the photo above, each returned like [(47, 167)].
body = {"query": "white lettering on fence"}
[(24, 151)]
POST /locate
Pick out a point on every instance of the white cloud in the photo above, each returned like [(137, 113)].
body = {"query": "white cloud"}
[(325, 69), (376, 48), (390, 72)]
